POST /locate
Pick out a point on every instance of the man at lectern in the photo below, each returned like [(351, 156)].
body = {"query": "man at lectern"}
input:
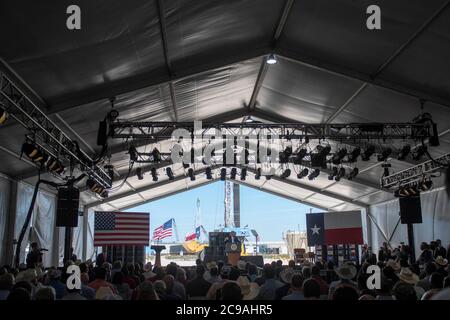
[(233, 239)]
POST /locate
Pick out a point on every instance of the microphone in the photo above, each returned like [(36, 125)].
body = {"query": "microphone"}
[(43, 249)]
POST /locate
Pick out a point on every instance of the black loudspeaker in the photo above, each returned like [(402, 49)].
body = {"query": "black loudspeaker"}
[(67, 207), (410, 210)]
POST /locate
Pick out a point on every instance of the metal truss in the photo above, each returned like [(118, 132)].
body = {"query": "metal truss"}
[(415, 173), (45, 133), (338, 132)]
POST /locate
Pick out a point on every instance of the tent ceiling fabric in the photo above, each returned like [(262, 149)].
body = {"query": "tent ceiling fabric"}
[(215, 50)]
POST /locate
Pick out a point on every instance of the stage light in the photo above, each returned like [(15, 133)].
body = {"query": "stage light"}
[(3, 116), (341, 174), (185, 165), (133, 153), (333, 173), (404, 152), (386, 167), (300, 155), (92, 185), (156, 155), (313, 175), (169, 173), (139, 173), (223, 174), (353, 174), (353, 156), (286, 173), (54, 165), (285, 154), (419, 153), (191, 174), (323, 151), (32, 152), (154, 174), (249, 119), (233, 173), (243, 174), (271, 59), (426, 185), (368, 152), (268, 176), (384, 154), (258, 174), (208, 173), (302, 174), (338, 156)]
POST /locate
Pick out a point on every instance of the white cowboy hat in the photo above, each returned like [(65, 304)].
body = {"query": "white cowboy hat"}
[(393, 264), (441, 261), (287, 274), (249, 290), (28, 275), (406, 275), (346, 271)]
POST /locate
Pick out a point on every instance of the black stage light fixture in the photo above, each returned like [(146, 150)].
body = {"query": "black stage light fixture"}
[(300, 155), (169, 173), (223, 174), (133, 153), (246, 155), (258, 174), (323, 151), (185, 165), (286, 173), (156, 155), (368, 152), (32, 152), (338, 156), (425, 185), (333, 173), (313, 175), (243, 174), (285, 154), (386, 167), (353, 174), (3, 116), (404, 152), (208, 173), (384, 154), (341, 174), (154, 174), (268, 176), (302, 174), (191, 174), (54, 165), (420, 152), (353, 156), (233, 173), (139, 173)]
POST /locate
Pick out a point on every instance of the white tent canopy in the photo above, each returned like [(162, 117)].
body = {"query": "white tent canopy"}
[(205, 60)]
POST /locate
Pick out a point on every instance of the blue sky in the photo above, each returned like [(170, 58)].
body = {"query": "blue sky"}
[(268, 214)]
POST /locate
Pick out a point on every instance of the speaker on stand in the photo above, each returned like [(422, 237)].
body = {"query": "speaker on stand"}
[(410, 213)]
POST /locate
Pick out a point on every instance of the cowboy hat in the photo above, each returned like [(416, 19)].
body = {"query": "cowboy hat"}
[(287, 274), (346, 271), (441, 261), (249, 290), (211, 265), (406, 275), (28, 275), (393, 264)]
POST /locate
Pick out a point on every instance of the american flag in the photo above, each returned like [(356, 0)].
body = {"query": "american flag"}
[(163, 231), (122, 228)]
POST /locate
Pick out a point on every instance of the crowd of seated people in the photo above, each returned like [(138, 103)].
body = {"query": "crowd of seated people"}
[(401, 279)]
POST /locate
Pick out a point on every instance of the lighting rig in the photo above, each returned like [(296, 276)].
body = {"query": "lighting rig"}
[(416, 174), (48, 139)]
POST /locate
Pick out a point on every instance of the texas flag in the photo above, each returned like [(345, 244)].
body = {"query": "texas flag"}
[(329, 228)]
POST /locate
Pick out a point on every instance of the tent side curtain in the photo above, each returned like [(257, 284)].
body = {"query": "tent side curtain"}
[(90, 252), (5, 186), (42, 221), (435, 225)]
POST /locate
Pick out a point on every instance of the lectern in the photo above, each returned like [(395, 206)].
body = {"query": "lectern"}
[(233, 251)]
